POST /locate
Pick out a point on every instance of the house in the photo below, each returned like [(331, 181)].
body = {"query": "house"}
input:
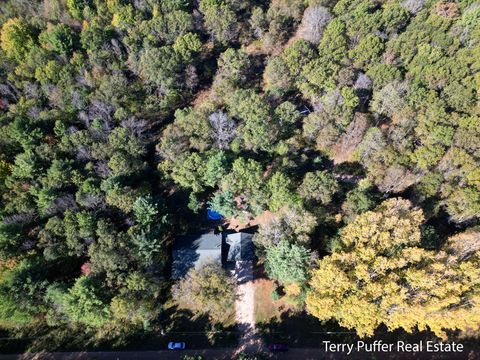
[(194, 251), (240, 247)]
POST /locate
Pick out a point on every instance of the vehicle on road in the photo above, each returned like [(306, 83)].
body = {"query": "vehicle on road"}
[(277, 347), (176, 345)]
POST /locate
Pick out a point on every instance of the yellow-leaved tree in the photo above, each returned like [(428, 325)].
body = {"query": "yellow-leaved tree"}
[(16, 38), (381, 275)]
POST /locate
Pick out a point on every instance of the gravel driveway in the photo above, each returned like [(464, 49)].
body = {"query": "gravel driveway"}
[(250, 341)]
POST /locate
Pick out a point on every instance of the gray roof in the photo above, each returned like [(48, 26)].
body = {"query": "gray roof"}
[(208, 241), (194, 251), (241, 247)]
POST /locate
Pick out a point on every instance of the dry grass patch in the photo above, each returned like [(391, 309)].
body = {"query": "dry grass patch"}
[(267, 309)]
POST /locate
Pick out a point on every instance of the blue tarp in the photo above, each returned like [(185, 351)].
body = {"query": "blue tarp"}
[(213, 215)]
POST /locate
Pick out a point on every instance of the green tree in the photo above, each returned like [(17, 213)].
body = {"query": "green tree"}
[(394, 17), (333, 49), (360, 199), (58, 38), (149, 243), (189, 172), (224, 203), (277, 76), (287, 262), (187, 45), (287, 116), (461, 189), (246, 181), (318, 186), (220, 19), (160, 66), (123, 17), (77, 7), (280, 192), (84, 305), (11, 239), (21, 287), (258, 131), (367, 51), (145, 209), (109, 254), (233, 65), (94, 36), (136, 303), (172, 25), (216, 167)]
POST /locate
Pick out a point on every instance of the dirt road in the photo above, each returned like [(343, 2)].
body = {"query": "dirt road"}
[(228, 354)]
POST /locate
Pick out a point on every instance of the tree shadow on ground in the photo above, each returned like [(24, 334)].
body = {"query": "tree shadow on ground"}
[(197, 331), (299, 329)]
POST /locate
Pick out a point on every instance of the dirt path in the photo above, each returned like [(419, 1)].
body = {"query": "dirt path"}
[(250, 340)]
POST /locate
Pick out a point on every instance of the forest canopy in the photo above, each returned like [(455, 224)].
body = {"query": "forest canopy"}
[(354, 124)]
